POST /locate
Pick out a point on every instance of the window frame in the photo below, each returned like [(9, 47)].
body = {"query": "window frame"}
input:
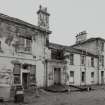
[(92, 61), (71, 59), (23, 46), (92, 74), (83, 76), (102, 46), (102, 58), (83, 59)]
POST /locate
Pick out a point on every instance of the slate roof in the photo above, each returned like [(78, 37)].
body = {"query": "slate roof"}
[(88, 40), (21, 22), (70, 49), (56, 46)]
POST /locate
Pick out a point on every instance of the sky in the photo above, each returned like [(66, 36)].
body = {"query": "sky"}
[(68, 17)]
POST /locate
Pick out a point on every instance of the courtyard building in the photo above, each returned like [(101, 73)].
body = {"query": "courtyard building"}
[(79, 64), (22, 50), (27, 57)]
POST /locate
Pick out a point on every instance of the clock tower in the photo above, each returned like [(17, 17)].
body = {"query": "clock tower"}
[(43, 18)]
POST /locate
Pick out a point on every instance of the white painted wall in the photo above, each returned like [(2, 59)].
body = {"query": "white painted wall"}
[(78, 68)]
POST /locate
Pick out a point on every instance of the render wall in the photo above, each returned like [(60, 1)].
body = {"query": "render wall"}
[(9, 32), (78, 68), (95, 47)]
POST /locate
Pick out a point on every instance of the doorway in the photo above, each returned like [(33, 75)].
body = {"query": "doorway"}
[(25, 80), (57, 75), (83, 77), (102, 77)]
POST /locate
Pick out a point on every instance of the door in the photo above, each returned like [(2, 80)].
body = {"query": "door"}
[(102, 77), (57, 75), (25, 80), (83, 77)]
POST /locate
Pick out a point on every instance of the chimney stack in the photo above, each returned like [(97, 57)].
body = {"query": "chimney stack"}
[(81, 37)]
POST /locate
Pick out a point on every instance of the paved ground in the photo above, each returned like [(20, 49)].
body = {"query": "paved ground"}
[(96, 97)]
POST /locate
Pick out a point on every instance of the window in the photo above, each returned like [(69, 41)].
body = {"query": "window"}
[(102, 73), (16, 69), (92, 74), (47, 41), (28, 45), (16, 79), (71, 73), (102, 46), (83, 77), (71, 59), (71, 80), (83, 59), (102, 60), (16, 72), (92, 77), (24, 44), (92, 61)]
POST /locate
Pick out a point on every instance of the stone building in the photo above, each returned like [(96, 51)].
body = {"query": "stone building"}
[(27, 56), (95, 46), (22, 49), (79, 64)]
